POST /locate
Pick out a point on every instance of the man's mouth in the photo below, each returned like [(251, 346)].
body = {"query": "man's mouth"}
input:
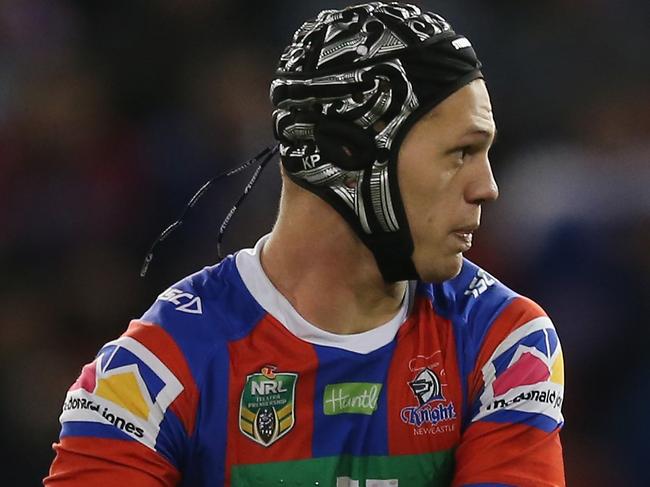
[(465, 239), (465, 236)]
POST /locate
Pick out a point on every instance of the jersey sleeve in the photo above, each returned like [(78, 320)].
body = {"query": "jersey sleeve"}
[(128, 418), (515, 394)]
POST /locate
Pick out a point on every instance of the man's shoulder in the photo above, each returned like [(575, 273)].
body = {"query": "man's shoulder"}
[(475, 299), (212, 304), (145, 386)]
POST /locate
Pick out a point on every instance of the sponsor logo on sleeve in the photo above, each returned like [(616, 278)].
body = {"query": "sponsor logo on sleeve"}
[(126, 386), (433, 413), (266, 408), (525, 373)]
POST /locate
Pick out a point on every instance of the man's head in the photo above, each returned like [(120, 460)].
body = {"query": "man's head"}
[(347, 91)]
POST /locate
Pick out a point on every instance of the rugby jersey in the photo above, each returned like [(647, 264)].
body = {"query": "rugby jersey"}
[(222, 382)]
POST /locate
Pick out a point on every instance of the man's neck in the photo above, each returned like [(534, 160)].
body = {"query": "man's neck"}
[(328, 275)]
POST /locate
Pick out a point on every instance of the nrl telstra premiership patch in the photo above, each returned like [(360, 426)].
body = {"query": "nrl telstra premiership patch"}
[(266, 410)]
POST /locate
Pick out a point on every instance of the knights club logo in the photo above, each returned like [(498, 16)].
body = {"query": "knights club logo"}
[(266, 409), (433, 409), (426, 387)]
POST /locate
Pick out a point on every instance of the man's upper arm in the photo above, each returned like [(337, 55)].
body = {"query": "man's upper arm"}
[(128, 417), (515, 392)]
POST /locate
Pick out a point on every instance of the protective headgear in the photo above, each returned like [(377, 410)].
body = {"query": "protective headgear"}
[(346, 91)]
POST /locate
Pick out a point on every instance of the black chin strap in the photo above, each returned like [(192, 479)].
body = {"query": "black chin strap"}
[(261, 159)]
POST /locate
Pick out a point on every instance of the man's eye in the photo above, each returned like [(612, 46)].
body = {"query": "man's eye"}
[(464, 151), (460, 153)]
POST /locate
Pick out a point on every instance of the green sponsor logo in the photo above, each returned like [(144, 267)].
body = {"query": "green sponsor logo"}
[(351, 398), (266, 409)]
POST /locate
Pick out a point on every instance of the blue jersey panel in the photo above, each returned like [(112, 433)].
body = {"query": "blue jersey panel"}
[(350, 433), (172, 440), (96, 430), (223, 310), (212, 415)]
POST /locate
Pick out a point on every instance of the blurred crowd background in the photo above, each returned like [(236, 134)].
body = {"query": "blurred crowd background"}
[(113, 113)]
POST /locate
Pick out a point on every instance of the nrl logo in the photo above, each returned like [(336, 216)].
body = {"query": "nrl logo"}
[(266, 409)]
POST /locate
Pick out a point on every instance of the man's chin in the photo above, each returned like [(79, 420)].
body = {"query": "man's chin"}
[(443, 270)]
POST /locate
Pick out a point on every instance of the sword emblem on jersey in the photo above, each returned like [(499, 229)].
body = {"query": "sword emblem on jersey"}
[(266, 409)]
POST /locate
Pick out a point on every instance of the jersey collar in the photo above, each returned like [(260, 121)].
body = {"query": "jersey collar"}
[(264, 292)]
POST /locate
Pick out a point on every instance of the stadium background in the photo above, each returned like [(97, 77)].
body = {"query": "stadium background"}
[(113, 113)]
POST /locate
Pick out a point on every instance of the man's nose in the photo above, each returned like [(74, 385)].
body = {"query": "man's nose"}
[(482, 187)]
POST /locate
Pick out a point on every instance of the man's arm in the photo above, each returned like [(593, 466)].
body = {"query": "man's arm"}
[(515, 392), (128, 417), (104, 462)]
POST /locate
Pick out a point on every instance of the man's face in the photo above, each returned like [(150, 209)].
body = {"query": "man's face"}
[(445, 176)]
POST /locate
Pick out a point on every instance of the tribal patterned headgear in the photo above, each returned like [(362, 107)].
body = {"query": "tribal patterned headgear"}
[(346, 91)]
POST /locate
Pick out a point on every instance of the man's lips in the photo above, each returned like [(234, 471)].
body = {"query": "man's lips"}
[(465, 235)]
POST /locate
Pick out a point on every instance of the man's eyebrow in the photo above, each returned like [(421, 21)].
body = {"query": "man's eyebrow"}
[(483, 132)]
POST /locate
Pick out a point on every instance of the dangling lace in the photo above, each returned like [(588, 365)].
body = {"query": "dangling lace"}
[(266, 155)]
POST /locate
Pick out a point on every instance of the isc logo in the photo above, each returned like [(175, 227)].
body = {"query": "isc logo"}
[(266, 387), (185, 302), (480, 283)]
